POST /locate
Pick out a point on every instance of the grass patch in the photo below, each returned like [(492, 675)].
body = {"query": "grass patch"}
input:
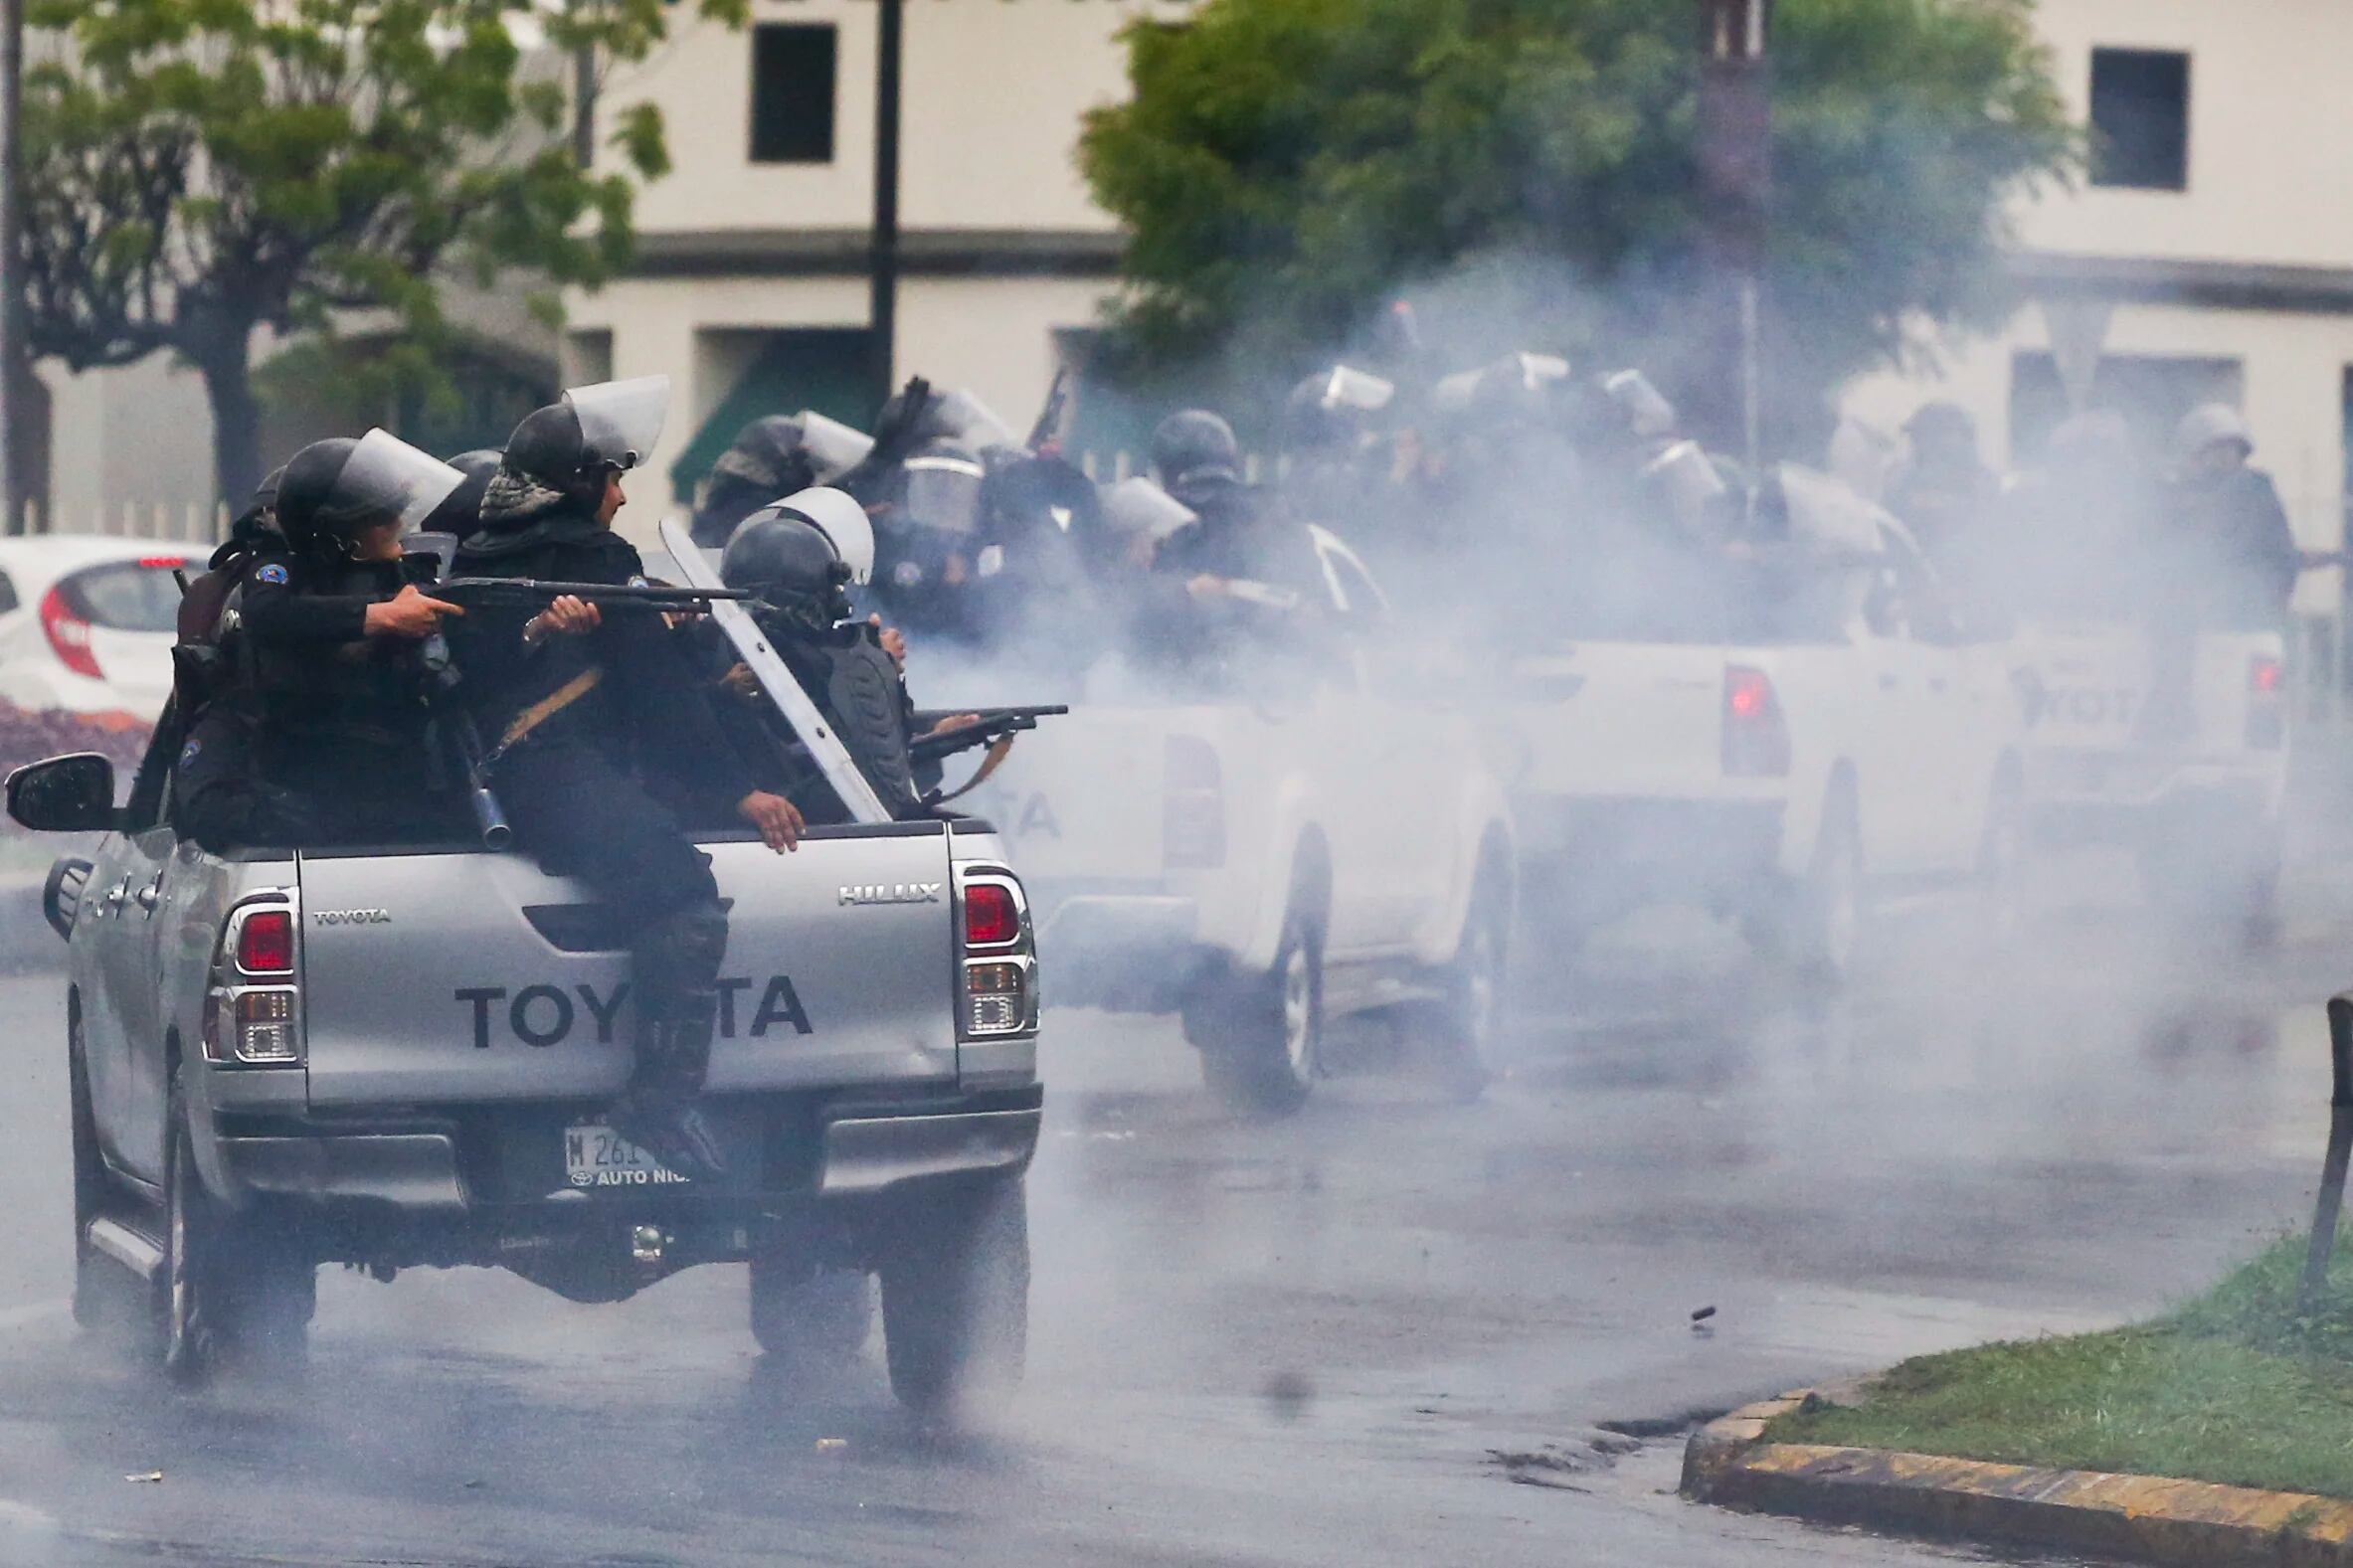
[(2235, 1387)]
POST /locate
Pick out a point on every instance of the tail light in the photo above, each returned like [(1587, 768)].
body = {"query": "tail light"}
[(996, 969), (68, 633), (1192, 807), (252, 1014), (2267, 710), (1755, 735)]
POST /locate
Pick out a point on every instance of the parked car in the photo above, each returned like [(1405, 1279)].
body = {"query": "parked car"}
[(87, 622)]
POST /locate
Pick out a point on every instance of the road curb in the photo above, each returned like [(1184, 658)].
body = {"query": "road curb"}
[(2142, 1517)]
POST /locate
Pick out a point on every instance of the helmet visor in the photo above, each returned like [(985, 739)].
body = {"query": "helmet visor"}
[(1356, 389), (944, 493), (837, 515), (386, 478), (620, 420), (833, 448), (972, 423), (1138, 506)]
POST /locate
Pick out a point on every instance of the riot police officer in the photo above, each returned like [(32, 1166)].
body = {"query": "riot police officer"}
[(928, 531), (767, 459), (575, 702), (318, 733), (1236, 534), (785, 554)]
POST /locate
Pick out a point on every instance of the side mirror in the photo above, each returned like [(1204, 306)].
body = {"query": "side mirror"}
[(64, 794)]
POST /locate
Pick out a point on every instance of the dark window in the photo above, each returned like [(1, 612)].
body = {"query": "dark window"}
[(8, 599), (792, 93), (2140, 118), (127, 595)]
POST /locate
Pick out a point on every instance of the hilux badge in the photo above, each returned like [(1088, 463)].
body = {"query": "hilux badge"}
[(892, 892)]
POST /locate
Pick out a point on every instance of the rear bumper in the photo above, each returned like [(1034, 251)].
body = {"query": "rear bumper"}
[(2094, 799), (491, 1161), (1602, 855)]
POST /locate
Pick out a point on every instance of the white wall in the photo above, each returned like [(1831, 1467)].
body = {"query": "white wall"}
[(991, 99), (2270, 132)]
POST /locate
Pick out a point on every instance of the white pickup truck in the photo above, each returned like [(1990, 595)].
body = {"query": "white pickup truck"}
[(1261, 866), (1827, 729), (2200, 807)]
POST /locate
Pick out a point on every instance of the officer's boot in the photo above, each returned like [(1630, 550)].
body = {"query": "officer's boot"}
[(676, 1012)]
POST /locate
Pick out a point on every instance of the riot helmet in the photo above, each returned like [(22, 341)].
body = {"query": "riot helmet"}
[(336, 489), (571, 444), (833, 448), (1331, 408), (767, 455), (2209, 426), (837, 515), (940, 487), (1193, 444), (461, 511), (777, 554), (1646, 411)]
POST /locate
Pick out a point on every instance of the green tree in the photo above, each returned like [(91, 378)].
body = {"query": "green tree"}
[(1286, 166), (194, 170)]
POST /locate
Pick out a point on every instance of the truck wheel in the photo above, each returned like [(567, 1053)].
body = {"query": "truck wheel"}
[(1262, 1049), (226, 1294), (956, 1301), (1466, 1024), (810, 1317), (1815, 927)]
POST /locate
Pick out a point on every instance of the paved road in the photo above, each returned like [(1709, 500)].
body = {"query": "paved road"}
[(1321, 1342)]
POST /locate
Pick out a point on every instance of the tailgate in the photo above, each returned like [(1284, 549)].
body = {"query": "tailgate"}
[(450, 977), (1083, 796), (2093, 683), (1615, 720)]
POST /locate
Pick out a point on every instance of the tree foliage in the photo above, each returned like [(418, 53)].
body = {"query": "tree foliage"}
[(198, 169), (1286, 166)]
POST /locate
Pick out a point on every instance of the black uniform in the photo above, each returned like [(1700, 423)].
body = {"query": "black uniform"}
[(573, 723), (317, 732)]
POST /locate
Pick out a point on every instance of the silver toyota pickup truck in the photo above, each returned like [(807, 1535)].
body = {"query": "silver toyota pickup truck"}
[(394, 1058)]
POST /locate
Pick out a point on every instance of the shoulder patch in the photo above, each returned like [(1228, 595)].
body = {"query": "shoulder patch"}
[(189, 751), (273, 573), (638, 580)]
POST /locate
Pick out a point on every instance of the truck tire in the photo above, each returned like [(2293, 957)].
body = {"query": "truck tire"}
[(807, 1317), (956, 1301), (1467, 1024), (228, 1294), (1815, 927), (1261, 1038)]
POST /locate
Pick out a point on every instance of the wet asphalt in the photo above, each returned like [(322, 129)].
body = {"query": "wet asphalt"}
[(1394, 1329)]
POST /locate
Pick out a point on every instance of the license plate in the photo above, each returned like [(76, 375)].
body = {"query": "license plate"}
[(597, 1157)]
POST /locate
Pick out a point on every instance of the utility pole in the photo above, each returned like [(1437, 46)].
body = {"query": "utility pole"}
[(1737, 176), (15, 371), (882, 310)]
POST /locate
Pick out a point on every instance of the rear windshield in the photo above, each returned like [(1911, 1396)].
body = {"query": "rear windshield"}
[(127, 595)]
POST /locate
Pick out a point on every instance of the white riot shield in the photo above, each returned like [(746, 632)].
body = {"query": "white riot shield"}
[(751, 645)]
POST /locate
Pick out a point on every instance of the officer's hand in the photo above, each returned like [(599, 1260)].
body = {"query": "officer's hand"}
[(777, 819), (407, 615), (569, 614), (1206, 587), (954, 723), (740, 680), (893, 640), (954, 571)]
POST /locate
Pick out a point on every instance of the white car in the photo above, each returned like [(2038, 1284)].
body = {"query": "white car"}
[(1776, 766), (1261, 866), (88, 622)]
